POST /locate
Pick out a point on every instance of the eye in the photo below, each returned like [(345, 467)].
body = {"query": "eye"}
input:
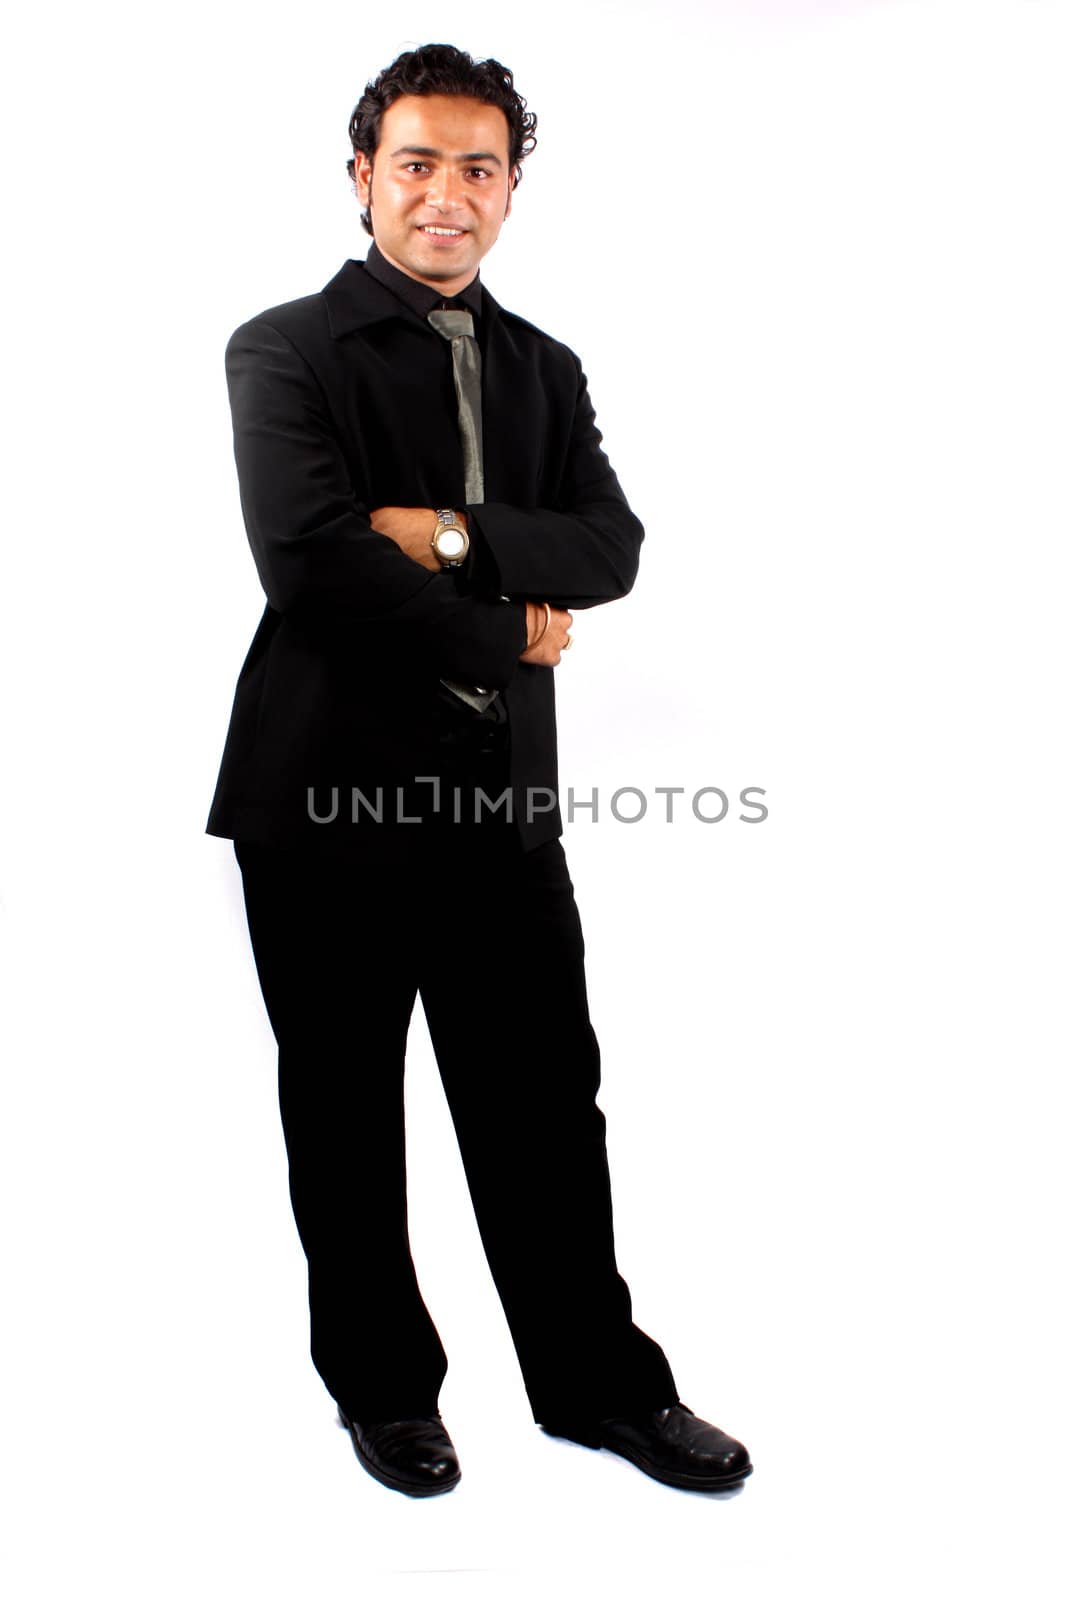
[(411, 165), (479, 172)]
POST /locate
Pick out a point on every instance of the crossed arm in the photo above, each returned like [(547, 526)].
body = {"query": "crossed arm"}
[(322, 558), (411, 527)]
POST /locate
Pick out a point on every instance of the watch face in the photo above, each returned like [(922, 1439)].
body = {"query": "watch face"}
[(449, 543)]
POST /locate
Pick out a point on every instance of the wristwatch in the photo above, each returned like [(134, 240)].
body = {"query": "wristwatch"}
[(450, 542)]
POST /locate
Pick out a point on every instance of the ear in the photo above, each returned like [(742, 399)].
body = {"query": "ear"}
[(362, 174), (513, 178)]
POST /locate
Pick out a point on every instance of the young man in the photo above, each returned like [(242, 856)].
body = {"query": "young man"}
[(427, 500)]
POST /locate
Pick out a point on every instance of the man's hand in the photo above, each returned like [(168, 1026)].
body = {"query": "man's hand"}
[(546, 652), (411, 527)]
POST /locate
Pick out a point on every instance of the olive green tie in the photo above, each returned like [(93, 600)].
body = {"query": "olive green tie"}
[(458, 328)]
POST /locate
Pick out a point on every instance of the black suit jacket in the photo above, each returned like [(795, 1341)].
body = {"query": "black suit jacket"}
[(343, 401)]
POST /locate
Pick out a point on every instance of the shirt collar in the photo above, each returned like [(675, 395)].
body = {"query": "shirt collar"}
[(422, 298)]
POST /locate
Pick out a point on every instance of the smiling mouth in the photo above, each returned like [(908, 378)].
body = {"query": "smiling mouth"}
[(437, 232)]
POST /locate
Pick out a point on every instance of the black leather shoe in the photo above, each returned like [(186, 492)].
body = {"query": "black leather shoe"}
[(414, 1455), (671, 1445)]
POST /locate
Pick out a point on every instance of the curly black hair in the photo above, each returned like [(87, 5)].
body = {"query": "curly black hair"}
[(441, 69)]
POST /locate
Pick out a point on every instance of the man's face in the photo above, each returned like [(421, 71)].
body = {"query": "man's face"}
[(441, 186)]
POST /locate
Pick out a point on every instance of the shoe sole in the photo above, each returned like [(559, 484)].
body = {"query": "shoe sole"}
[(419, 1491), (675, 1480), (681, 1480)]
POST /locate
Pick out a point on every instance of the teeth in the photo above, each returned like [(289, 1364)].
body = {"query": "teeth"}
[(449, 233)]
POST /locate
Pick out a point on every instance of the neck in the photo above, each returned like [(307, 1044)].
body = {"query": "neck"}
[(447, 286)]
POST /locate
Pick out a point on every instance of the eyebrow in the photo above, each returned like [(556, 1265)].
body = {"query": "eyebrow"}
[(423, 150)]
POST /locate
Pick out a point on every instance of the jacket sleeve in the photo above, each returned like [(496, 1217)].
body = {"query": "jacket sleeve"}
[(580, 555), (319, 560)]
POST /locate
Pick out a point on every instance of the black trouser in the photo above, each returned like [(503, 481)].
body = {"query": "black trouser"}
[(491, 939)]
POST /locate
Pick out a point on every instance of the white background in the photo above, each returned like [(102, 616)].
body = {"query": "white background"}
[(830, 1042)]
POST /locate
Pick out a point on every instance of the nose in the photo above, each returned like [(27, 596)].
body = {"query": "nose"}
[(443, 192)]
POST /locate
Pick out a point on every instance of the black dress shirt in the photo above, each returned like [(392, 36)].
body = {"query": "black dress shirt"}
[(456, 716), (421, 297)]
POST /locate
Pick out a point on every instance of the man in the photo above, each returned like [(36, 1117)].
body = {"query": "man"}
[(426, 500)]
